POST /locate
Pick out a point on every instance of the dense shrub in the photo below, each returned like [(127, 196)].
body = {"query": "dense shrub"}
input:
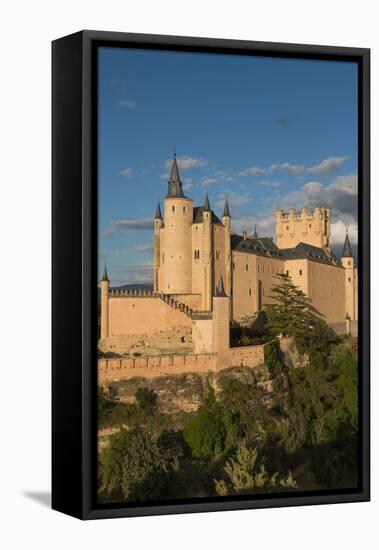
[(133, 464)]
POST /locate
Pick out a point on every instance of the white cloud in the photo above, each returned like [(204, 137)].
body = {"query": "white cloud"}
[(340, 196), (121, 226), (146, 247), (267, 183), (253, 171), (127, 103), (126, 172), (133, 273), (294, 169), (328, 166), (265, 224), (338, 232), (234, 199), (186, 163), (205, 181)]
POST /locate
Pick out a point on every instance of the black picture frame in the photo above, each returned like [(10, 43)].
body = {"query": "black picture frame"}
[(74, 271)]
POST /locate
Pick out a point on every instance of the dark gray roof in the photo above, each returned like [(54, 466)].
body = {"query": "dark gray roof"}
[(347, 252), (105, 274), (175, 190), (198, 215), (265, 246), (226, 210), (207, 206), (158, 213)]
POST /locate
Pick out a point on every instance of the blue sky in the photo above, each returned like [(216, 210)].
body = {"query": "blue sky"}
[(267, 133)]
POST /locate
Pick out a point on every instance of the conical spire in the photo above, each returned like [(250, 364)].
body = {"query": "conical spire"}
[(105, 274), (175, 190), (255, 234), (207, 206), (347, 252), (220, 289), (226, 213), (158, 213)]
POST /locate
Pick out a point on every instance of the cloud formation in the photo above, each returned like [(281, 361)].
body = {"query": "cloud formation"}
[(126, 172), (127, 103), (327, 167), (146, 247), (186, 163), (133, 273), (121, 226)]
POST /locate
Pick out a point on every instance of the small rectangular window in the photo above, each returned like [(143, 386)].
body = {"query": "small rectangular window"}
[(300, 271)]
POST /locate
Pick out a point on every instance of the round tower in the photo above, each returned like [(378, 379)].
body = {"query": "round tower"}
[(157, 245), (207, 256), (177, 250), (104, 316), (227, 223), (347, 260)]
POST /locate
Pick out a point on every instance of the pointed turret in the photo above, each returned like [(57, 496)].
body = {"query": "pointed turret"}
[(158, 213), (220, 290), (255, 234), (207, 206), (105, 274), (175, 190), (347, 252), (226, 213)]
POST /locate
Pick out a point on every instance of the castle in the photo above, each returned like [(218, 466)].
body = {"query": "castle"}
[(205, 275)]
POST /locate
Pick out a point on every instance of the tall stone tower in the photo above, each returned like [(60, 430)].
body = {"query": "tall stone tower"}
[(226, 220), (175, 267), (351, 286), (221, 319), (158, 222), (104, 315), (306, 226), (207, 256)]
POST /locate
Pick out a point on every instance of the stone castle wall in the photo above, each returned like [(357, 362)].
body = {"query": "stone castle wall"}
[(113, 370), (143, 315)]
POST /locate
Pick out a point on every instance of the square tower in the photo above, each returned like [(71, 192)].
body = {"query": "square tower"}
[(307, 226)]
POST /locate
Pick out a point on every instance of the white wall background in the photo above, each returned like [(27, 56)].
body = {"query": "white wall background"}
[(26, 31)]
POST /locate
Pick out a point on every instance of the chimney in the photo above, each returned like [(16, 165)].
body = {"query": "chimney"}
[(244, 235)]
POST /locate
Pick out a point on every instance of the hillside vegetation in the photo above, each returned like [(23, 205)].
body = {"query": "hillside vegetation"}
[(237, 441)]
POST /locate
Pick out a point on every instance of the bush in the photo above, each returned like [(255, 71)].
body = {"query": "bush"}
[(243, 475), (133, 465), (146, 400), (273, 358)]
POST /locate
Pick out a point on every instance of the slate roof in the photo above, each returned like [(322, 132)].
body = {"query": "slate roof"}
[(347, 252), (265, 246), (175, 190), (198, 215)]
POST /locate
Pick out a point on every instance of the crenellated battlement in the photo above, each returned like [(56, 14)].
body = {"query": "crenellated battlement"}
[(310, 226)]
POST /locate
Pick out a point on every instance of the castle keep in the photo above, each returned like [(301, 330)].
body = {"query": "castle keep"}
[(205, 275)]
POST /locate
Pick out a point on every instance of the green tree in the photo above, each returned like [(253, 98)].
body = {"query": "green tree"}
[(205, 433), (133, 465), (244, 475), (273, 358), (291, 313), (146, 400)]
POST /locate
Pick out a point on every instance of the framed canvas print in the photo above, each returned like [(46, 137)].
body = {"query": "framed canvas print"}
[(210, 275)]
